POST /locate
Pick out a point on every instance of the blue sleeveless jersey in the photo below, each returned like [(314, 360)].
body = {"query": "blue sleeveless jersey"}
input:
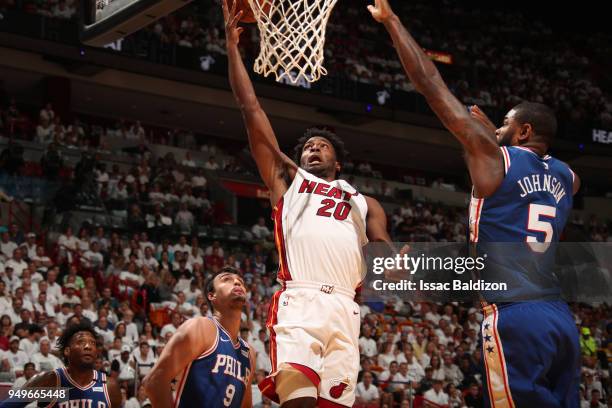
[(218, 377), (94, 395), (530, 207)]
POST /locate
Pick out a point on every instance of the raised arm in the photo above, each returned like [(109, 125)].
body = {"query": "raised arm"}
[(483, 156), (274, 167), (190, 340)]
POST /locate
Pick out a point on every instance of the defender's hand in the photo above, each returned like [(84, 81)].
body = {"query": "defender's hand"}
[(232, 31), (381, 11), (482, 117)]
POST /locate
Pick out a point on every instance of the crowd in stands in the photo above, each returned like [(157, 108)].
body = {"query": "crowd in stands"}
[(90, 134), (535, 62)]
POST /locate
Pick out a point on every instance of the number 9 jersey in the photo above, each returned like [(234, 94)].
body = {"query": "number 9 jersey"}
[(320, 229)]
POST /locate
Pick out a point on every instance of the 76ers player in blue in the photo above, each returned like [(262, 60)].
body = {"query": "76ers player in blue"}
[(214, 366), (88, 388), (522, 195)]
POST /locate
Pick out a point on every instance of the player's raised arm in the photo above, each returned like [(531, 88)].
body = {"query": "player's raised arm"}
[(273, 165), (190, 340), (484, 158)]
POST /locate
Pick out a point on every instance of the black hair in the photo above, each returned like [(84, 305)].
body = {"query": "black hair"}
[(64, 340), (335, 141), (541, 118), (210, 287)]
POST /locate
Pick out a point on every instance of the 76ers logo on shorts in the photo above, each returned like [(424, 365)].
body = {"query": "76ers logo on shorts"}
[(339, 386)]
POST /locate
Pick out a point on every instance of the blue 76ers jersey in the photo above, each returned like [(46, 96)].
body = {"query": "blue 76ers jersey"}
[(531, 206), (94, 395), (217, 378)]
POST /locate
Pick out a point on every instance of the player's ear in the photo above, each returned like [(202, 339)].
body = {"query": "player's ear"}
[(66, 352), (525, 132), (338, 167)]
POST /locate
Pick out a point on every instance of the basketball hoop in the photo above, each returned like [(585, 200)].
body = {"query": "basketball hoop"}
[(292, 38)]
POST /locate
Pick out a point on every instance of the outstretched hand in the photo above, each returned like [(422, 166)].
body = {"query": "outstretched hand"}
[(232, 31), (381, 11), (480, 116)]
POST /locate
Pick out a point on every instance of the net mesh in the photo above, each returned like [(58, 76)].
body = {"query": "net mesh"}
[(292, 38)]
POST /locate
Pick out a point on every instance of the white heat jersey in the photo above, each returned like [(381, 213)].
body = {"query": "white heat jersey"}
[(320, 229)]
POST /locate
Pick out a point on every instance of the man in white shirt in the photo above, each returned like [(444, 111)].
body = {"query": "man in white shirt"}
[(131, 330), (93, 258), (367, 345), (403, 379), (452, 373), (103, 330), (41, 261), (126, 369), (182, 245), (261, 230), (144, 359), (144, 242), (17, 263), (53, 289), (29, 246), (435, 397), (192, 294), (171, 327), (42, 305), (188, 160), (149, 260), (366, 392), (29, 344), (44, 360), (184, 218), (6, 245), (5, 300), (101, 239), (68, 240), (64, 314), (11, 281), (15, 358), (198, 181), (70, 296), (211, 164)]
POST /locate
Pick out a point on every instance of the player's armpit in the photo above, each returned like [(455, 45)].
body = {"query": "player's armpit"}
[(577, 183), (194, 337), (114, 392), (376, 222)]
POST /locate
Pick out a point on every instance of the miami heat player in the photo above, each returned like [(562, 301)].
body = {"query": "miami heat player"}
[(321, 224)]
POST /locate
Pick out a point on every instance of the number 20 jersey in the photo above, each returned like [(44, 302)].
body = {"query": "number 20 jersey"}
[(320, 229)]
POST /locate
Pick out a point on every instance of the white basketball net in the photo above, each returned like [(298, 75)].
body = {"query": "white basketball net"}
[(292, 38)]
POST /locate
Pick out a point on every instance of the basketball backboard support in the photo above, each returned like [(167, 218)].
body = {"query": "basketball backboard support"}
[(105, 21)]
